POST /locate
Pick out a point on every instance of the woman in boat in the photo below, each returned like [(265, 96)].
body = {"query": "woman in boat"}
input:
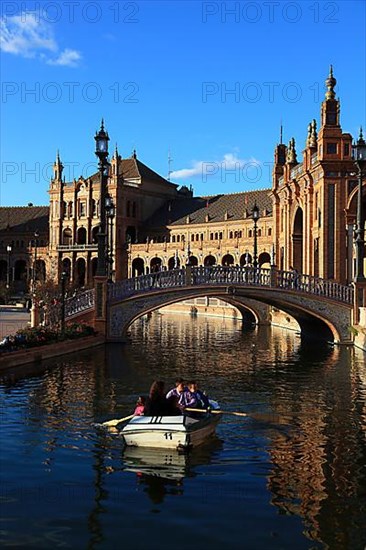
[(156, 404)]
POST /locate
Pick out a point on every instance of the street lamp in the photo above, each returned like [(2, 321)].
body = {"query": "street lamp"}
[(110, 212), (359, 156), (8, 275), (255, 214), (36, 235), (63, 292), (101, 151)]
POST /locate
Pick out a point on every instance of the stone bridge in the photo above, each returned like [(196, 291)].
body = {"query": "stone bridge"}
[(321, 307)]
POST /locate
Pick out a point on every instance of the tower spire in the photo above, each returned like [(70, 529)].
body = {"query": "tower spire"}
[(170, 160), (57, 168), (330, 84)]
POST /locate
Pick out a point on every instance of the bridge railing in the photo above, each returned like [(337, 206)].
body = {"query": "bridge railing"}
[(230, 276), (79, 303)]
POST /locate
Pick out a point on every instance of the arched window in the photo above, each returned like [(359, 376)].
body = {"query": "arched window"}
[(81, 235), (67, 236)]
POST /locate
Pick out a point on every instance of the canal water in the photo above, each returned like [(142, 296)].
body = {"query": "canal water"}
[(290, 475)]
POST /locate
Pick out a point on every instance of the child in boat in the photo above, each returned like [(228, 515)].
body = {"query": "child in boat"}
[(140, 406), (195, 398)]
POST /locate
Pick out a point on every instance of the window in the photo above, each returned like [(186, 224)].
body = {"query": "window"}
[(346, 149), (82, 209), (331, 148), (269, 231)]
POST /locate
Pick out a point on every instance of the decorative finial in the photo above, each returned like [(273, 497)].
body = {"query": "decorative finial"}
[(330, 84), (312, 135), (291, 157), (102, 125), (281, 133), (134, 154)]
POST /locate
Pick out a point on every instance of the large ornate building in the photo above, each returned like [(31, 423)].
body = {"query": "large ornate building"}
[(306, 218)]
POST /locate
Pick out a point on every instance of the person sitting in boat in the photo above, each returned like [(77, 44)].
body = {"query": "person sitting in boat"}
[(195, 398), (156, 404), (173, 406), (180, 391), (140, 406)]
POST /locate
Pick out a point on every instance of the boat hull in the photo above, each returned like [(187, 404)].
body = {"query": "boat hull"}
[(169, 432)]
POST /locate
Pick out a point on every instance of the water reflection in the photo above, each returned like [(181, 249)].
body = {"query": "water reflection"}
[(162, 472), (300, 453)]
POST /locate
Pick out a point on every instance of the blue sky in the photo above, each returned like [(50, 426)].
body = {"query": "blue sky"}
[(208, 81)]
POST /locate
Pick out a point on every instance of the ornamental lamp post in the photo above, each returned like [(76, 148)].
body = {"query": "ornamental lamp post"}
[(359, 156), (255, 214), (111, 212), (101, 151), (36, 235), (8, 275), (63, 292)]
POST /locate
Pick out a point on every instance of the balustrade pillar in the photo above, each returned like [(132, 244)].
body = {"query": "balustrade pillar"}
[(100, 311), (359, 300)]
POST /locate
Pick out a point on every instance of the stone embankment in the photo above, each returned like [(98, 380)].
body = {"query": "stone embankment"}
[(37, 354)]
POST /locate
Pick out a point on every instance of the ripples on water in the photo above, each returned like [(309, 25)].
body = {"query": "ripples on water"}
[(290, 475)]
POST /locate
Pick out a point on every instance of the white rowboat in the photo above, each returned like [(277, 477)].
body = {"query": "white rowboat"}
[(170, 432)]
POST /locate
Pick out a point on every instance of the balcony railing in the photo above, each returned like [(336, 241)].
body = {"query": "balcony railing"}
[(76, 247)]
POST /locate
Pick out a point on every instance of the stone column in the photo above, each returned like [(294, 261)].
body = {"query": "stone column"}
[(34, 313)]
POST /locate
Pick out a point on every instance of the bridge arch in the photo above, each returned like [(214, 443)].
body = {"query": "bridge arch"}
[(122, 315)]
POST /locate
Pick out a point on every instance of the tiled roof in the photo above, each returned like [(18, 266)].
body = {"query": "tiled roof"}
[(133, 168), (218, 207), (24, 219)]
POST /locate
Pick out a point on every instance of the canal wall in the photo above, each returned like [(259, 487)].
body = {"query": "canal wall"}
[(37, 354), (360, 330)]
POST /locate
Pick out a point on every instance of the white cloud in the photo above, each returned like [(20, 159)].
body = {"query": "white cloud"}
[(230, 161), (69, 58), (28, 35)]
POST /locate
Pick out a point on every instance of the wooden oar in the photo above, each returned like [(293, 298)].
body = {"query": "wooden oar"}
[(215, 411), (261, 417), (113, 423)]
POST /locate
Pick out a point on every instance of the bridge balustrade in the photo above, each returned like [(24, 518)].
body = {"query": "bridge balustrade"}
[(79, 303), (230, 276)]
